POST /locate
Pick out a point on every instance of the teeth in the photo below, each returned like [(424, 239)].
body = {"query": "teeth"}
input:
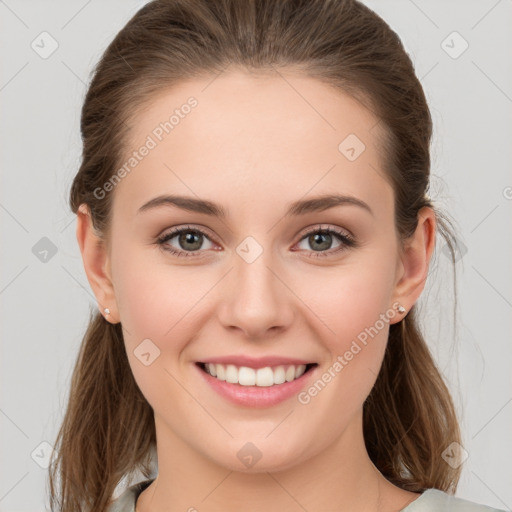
[(245, 376)]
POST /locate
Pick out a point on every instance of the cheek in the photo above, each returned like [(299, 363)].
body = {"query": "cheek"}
[(160, 302), (350, 302), (156, 306), (354, 303), (151, 295)]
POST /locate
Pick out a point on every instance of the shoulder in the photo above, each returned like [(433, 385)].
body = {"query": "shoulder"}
[(126, 501), (439, 501)]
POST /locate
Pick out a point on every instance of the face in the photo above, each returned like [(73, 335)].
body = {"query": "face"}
[(315, 285)]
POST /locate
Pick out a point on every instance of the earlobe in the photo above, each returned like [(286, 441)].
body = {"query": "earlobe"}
[(415, 259), (96, 263)]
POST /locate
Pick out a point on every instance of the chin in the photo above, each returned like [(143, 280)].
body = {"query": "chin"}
[(259, 457)]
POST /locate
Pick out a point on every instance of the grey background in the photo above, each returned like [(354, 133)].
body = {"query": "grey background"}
[(45, 304)]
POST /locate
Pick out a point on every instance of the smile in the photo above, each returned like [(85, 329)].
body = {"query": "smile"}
[(261, 377)]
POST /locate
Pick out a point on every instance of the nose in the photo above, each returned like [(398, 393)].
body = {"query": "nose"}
[(256, 299)]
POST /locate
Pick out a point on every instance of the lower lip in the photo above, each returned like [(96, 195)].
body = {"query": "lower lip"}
[(257, 396)]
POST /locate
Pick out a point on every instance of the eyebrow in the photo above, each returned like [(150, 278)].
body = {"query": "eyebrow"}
[(302, 207)]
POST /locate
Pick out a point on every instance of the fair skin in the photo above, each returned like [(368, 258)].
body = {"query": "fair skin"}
[(253, 145)]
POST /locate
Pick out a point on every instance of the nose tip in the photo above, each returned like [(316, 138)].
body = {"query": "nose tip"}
[(256, 300)]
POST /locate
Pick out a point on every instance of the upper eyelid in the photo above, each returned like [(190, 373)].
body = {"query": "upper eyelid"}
[(176, 231), (325, 227)]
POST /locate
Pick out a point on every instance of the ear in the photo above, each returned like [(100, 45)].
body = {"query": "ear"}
[(414, 260), (96, 262)]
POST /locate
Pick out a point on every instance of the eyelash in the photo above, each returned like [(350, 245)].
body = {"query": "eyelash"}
[(347, 241)]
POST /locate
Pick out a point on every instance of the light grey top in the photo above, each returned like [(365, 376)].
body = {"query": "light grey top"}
[(431, 500)]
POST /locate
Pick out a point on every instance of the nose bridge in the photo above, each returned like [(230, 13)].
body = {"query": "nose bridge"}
[(257, 300), (253, 276)]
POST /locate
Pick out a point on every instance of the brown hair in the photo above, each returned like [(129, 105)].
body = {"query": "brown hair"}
[(409, 418)]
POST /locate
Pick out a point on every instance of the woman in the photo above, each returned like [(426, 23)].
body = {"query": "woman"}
[(254, 221)]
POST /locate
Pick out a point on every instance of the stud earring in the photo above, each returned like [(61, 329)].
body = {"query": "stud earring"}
[(400, 309), (107, 311)]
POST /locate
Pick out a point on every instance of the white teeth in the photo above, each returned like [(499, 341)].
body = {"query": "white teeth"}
[(231, 374), (212, 369), (263, 377), (221, 372), (246, 376), (279, 375)]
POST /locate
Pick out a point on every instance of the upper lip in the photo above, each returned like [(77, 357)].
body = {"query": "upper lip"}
[(256, 362)]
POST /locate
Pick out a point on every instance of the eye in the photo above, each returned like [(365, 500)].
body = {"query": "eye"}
[(189, 239), (320, 239)]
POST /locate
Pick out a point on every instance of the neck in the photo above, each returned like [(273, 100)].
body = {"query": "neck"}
[(341, 477)]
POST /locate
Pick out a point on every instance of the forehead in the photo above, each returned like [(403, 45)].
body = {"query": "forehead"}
[(255, 135)]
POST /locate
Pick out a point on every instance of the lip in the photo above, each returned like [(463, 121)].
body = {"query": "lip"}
[(257, 396), (256, 362)]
